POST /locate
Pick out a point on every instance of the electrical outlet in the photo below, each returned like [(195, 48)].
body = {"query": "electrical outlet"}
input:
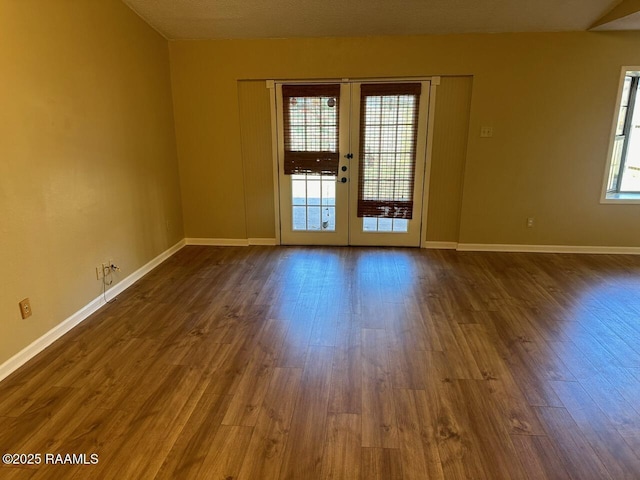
[(103, 270), (113, 267), (25, 308), (530, 222), (486, 132)]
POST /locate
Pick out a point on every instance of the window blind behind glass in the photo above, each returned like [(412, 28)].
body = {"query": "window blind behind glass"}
[(311, 125), (388, 135)]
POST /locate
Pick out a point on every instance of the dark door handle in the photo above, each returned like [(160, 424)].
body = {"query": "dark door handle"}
[(344, 168), (343, 179)]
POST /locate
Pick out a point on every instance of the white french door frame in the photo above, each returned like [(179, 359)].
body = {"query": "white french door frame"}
[(434, 82)]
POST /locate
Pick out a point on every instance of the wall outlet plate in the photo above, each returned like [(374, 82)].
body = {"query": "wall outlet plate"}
[(25, 308), (486, 132)]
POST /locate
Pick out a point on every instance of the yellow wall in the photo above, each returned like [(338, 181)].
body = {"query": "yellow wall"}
[(88, 167), (450, 132), (549, 98), (257, 159)]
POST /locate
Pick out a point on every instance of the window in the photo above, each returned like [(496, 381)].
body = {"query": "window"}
[(311, 129), (623, 172), (387, 153), (311, 157)]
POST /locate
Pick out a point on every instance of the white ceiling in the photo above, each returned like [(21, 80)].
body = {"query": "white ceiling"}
[(198, 19)]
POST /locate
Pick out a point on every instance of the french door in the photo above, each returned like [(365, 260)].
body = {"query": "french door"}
[(351, 162)]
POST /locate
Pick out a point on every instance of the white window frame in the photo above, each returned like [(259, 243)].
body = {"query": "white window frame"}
[(621, 198)]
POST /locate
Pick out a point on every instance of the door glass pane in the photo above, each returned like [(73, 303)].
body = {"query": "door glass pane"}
[(313, 202), (299, 191), (329, 218), (400, 225), (300, 218), (313, 218), (391, 225), (313, 190), (369, 224), (329, 193), (385, 224), (387, 157)]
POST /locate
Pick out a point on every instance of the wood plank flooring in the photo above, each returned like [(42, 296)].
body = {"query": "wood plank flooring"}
[(344, 363)]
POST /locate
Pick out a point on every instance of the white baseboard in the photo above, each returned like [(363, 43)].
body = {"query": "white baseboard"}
[(487, 247), (230, 242), (269, 242), (27, 353), (218, 242), (440, 245), (463, 247)]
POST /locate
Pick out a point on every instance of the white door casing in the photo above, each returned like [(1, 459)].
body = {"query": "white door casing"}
[(330, 206)]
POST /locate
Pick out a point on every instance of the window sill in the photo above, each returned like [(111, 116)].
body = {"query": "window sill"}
[(621, 198)]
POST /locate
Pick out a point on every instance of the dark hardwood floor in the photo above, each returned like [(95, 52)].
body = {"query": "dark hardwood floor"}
[(352, 363)]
